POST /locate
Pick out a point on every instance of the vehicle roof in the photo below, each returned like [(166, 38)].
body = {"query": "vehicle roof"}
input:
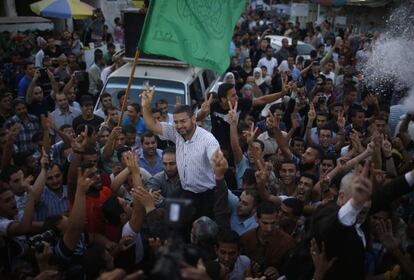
[(278, 39), (181, 74)]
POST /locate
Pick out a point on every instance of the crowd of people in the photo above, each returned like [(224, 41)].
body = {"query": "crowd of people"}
[(307, 173)]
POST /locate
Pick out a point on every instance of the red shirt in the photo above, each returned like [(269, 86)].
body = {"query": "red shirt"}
[(94, 216)]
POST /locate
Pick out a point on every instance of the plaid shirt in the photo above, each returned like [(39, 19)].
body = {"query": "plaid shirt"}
[(24, 138)]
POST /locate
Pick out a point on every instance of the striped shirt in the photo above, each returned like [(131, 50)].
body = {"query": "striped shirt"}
[(193, 157), (50, 204)]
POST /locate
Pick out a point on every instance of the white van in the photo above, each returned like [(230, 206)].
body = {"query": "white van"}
[(171, 79)]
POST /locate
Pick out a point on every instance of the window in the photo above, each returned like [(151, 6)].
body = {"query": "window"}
[(167, 90), (196, 93), (208, 78)]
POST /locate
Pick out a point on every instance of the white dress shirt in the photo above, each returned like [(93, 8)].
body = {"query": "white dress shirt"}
[(193, 157)]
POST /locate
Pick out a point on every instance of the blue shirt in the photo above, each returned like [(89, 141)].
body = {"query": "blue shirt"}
[(23, 86), (236, 223), (152, 169), (240, 169), (50, 204), (139, 125)]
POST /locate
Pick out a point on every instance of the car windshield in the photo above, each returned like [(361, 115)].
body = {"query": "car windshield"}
[(304, 49), (168, 90)]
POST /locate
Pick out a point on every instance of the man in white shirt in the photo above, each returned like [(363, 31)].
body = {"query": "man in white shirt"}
[(269, 61), (40, 54), (328, 71), (195, 147), (342, 220)]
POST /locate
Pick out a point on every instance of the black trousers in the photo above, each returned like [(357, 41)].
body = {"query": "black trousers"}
[(202, 202)]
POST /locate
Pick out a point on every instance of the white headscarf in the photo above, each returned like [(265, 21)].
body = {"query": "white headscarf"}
[(259, 80), (231, 76)]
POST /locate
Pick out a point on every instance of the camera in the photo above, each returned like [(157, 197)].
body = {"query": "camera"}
[(178, 214), (172, 256), (322, 99), (80, 77), (44, 77), (36, 241)]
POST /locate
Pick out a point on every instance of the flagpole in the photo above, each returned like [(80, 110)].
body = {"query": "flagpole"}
[(131, 77)]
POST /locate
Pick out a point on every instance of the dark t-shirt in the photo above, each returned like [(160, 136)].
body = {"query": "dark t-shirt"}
[(39, 108), (219, 121), (95, 122)]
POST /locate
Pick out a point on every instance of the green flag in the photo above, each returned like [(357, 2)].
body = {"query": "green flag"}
[(197, 32)]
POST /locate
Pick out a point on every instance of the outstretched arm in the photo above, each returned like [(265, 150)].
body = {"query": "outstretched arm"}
[(234, 137), (150, 122), (77, 218)]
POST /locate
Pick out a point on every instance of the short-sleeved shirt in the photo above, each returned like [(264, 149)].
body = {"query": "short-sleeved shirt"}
[(4, 225), (95, 122), (193, 157), (23, 86), (139, 125), (220, 120), (152, 169), (60, 118), (94, 215), (241, 265), (238, 225)]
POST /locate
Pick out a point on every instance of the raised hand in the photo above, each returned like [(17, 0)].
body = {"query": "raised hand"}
[(341, 120), (44, 160), (80, 142), (233, 113), (386, 146), (36, 75), (147, 96), (311, 113), (361, 186), (131, 161), (321, 263), (205, 106), (385, 235), (220, 164), (262, 174), (84, 181), (156, 195), (286, 87), (250, 134), (125, 243), (46, 121), (50, 75), (143, 197), (272, 122), (341, 163)]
